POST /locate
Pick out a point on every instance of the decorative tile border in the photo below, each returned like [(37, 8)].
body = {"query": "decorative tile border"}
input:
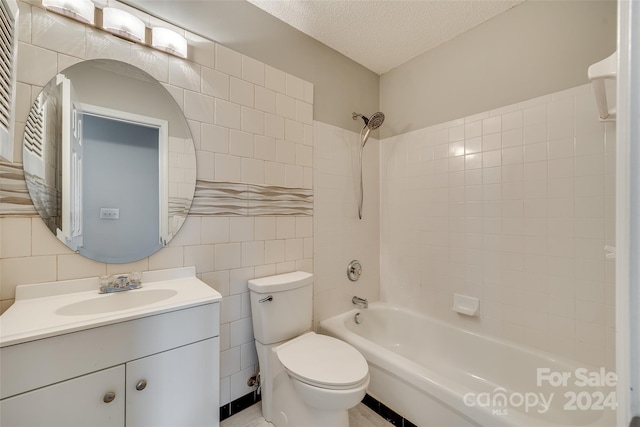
[(219, 198), (234, 199), (14, 195), (211, 198)]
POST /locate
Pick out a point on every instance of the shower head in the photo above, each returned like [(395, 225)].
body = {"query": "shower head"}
[(375, 121), (370, 123)]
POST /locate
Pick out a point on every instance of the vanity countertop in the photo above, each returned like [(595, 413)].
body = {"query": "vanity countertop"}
[(55, 308)]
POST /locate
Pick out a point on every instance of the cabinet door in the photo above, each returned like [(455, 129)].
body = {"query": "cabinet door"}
[(176, 388), (79, 402)]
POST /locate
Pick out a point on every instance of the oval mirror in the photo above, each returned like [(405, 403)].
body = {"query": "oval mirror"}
[(109, 161)]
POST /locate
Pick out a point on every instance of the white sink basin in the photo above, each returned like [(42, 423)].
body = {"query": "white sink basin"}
[(116, 302), (48, 309)]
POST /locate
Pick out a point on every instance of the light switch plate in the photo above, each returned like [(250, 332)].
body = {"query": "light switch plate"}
[(109, 213)]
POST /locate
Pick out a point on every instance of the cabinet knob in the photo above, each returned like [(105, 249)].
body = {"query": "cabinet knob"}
[(141, 385), (109, 397)]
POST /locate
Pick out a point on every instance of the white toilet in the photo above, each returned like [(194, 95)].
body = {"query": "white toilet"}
[(307, 380)]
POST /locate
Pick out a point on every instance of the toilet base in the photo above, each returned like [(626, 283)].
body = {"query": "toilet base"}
[(288, 410), (282, 397), (337, 420)]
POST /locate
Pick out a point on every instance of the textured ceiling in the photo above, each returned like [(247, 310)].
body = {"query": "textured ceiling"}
[(383, 34)]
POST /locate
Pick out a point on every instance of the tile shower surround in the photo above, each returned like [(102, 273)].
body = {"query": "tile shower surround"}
[(339, 236), (252, 129), (513, 206)]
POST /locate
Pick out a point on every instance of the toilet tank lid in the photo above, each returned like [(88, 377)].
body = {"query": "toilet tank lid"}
[(281, 282)]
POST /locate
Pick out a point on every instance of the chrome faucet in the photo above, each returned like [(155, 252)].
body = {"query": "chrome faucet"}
[(120, 283), (360, 302)]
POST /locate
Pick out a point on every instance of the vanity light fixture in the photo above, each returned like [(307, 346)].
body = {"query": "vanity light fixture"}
[(80, 10), (123, 24), (169, 41)]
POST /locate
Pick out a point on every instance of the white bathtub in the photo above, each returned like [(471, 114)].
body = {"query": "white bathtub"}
[(434, 374)]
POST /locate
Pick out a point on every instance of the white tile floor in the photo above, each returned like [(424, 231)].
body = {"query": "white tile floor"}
[(360, 416)]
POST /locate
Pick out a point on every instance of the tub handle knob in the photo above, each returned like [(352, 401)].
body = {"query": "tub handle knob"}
[(266, 299), (354, 270)]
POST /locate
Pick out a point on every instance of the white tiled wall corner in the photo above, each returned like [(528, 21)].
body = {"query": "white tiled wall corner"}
[(338, 235), (513, 206), (231, 104)]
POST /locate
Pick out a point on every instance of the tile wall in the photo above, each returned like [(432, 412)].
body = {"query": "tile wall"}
[(252, 125), (513, 206), (339, 236)]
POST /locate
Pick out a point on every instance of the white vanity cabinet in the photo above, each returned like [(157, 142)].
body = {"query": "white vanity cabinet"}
[(153, 369), (172, 388), (76, 402)]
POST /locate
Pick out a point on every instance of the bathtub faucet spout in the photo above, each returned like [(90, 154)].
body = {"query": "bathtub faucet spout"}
[(360, 302)]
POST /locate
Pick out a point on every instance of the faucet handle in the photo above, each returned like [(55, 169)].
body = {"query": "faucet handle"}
[(354, 270), (135, 279), (105, 281)]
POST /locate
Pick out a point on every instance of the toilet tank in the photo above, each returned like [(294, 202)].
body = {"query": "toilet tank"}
[(281, 306)]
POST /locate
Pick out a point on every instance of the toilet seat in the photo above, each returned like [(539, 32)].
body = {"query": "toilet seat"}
[(323, 361)]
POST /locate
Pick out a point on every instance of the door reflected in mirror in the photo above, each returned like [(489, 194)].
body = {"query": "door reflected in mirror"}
[(109, 161)]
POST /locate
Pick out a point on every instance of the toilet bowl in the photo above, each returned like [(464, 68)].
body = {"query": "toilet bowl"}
[(305, 387), (326, 372), (307, 379)]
